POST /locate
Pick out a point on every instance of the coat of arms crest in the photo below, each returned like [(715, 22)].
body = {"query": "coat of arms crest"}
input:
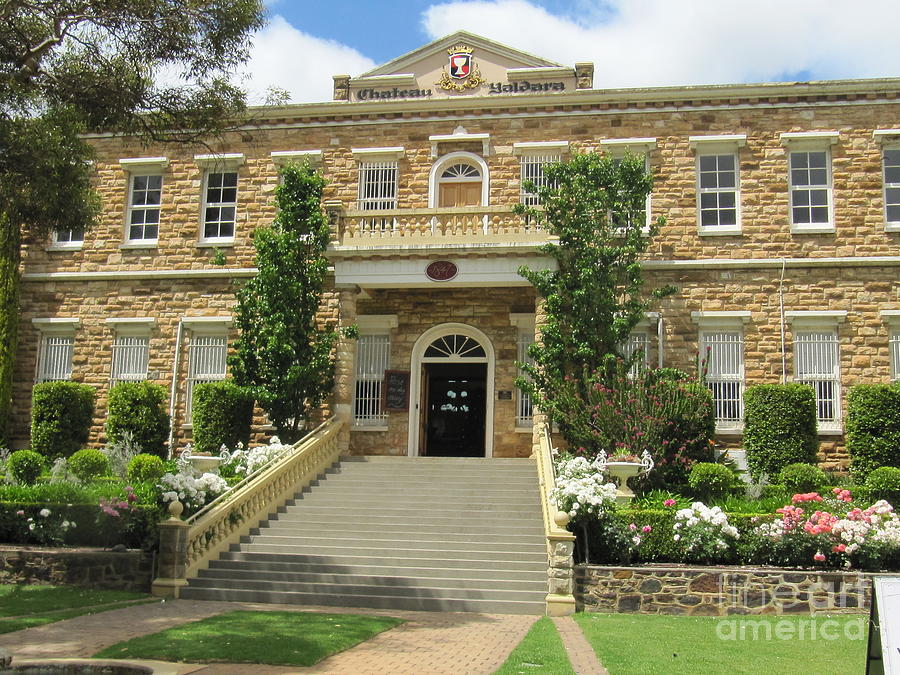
[(464, 74)]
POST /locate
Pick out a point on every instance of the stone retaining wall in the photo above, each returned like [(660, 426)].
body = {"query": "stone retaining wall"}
[(711, 591), (130, 570)]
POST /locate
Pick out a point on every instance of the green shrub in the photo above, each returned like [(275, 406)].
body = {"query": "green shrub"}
[(779, 427), (139, 408), (884, 483), (88, 464), (222, 413), (800, 477), (873, 427), (709, 480), (145, 468), (25, 466), (61, 416)]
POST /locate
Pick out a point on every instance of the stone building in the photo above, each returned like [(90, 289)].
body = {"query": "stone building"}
[(782, 237)]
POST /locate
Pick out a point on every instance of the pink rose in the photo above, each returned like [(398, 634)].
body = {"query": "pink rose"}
[(819, 557), (669, 502)]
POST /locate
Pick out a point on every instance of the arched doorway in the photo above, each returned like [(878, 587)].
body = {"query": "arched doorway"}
[(458, 179), (452, 393)]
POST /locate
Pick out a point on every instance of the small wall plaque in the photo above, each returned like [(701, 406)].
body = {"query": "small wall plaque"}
[(441, 270), (504, 395)]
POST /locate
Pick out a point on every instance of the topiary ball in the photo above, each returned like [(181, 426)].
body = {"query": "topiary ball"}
[(145, 468), (802, 477), (25, 466), (88, 464), (708, 479)]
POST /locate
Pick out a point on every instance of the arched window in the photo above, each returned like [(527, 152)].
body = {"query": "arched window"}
[(459, 185), (455, 346)]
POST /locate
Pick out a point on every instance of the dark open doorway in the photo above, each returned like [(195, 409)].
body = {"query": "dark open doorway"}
[(455, 398)]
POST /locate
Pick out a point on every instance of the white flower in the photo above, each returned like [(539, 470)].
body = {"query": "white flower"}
[(44, 513)]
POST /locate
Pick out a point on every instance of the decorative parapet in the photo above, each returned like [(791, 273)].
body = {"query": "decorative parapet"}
[(560, 542), (187, 547)]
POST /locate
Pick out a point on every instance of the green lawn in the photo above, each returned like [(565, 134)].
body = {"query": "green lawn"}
[(24, 606), (540, 651), (637, 644), (276, 638)]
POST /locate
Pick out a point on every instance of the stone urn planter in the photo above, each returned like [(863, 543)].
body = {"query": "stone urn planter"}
[(202, 462), (621, 471)]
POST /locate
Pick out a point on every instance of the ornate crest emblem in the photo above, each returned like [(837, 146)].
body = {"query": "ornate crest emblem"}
[(464, 74)]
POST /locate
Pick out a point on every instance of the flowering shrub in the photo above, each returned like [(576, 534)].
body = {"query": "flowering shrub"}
[(192, 491), (244, 462), (44, 529), (581, 488), (704, 534)]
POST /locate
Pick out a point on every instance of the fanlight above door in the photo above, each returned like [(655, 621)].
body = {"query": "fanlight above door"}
[(455, 347)]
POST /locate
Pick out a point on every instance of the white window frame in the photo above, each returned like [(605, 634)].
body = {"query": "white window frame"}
[(722, 330), (816, 336), (891, 317), (218, 164), (532, 159), (525, 337), (144, 208), (134, 167), (619, 147), (373, 357), (809, 142), (377, 167), (208, 333), (73, 241), (130, 349), (718, 146), (56, 347), (890, 142)]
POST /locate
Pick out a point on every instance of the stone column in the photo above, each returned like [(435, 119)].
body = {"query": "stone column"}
[(172, 561), (345, 366), (539, 419), (561, 577)]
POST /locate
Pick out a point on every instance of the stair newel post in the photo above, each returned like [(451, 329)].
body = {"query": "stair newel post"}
[(173, 554), (561, 571)]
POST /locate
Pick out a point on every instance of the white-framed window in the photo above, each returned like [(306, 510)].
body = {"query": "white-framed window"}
[(891, 166), (373, 357), (891, 317), (67, 238), (524, 406), (378, 185), (722, 364), (55, 349), (144, 200), (810, 181), (130, 349), (618, 148), (220, 205), (533, 157), (638, 340), (206, 363), (718, 183), (817, 361)]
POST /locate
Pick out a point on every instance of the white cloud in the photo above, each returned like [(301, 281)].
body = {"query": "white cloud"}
[(637, 43), (282, 56)]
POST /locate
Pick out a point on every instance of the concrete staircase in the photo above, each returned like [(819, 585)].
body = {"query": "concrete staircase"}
[(441, 534)]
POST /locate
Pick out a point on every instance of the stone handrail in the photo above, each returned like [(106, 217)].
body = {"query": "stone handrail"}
[(468, 224), (560, 542), (185, 547)]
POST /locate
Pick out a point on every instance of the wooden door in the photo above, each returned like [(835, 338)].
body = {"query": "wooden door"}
[(466, 193)]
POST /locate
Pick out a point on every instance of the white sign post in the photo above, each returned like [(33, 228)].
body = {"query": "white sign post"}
[(884, 627)]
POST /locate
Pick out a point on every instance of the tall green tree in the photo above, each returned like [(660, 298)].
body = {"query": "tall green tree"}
[(596, 206), (73, 66), (283, 355)]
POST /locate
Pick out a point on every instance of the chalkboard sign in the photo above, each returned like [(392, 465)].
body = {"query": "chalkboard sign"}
[(395, 393)]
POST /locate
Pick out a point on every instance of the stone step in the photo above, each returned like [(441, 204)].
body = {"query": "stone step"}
[(314, 580), (377, 542), (448, 533), (392, 553), (463, 490), (386, 602), (410, 501), (459, 513), (267, 562)]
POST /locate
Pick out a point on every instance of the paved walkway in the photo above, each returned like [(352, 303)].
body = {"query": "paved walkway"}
[(429, 643)]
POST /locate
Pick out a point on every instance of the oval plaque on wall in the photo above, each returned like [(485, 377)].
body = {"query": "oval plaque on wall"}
[(441, 270)]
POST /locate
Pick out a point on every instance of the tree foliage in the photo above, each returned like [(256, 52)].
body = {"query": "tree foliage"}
[(156, 68), (596, 206), (283, 355)]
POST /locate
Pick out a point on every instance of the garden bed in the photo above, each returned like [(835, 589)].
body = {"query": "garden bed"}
[(720, 591)]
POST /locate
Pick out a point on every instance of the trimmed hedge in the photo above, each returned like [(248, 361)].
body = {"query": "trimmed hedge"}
[(884, 483), (25, 466), (139, 408), (873, 427), (711, 480), (779, 427), (222, 414), (88, 464), (61, 416), (800, 477)]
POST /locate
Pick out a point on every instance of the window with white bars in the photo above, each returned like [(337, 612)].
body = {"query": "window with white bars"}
[(817, 363), (722, 362), (892, 185), (130, 359), (378, 185), (637, 341), (55, 359), (617, 219), (220, 206), (206, 363), (811, 200), (532, 168), (718, 192), (143, 208), (524, 411), (894, 346), (373, 355)]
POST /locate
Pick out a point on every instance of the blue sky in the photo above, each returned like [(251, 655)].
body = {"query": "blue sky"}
[(633, 43)]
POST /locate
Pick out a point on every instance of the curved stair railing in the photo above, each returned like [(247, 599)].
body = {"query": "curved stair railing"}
[(185, 547), (560, 542)]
